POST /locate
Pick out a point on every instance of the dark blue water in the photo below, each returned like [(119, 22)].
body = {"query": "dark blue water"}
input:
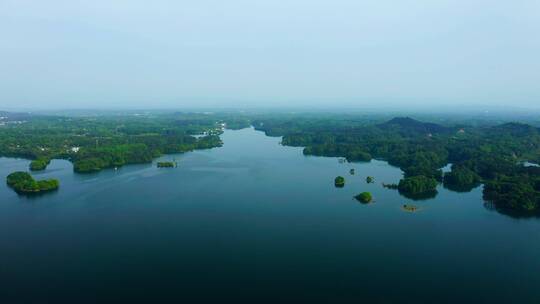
[(254, 221)]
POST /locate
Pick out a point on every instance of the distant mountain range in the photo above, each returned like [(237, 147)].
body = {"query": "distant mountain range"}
[(515, 129), (410, 126)]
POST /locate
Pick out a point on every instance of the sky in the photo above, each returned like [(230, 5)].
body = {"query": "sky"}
[(266, 53)]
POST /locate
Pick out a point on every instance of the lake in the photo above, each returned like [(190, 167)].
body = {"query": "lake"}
[(254, 221)]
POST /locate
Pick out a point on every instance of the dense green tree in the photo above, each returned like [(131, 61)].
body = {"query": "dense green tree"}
[(417, 185), (39, 164), (357, 155), (519, 192), (17, 178), (48, 184), (364, 197), (461, 178), (339, 181), (24, 183)]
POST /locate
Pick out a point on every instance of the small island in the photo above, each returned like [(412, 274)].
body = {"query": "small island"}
[(370, 179), (339, 182), (364, 197), (166, 164), (24, 183), (410, 208)]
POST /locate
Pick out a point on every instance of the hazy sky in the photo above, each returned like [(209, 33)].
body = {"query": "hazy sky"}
[(107, 53)]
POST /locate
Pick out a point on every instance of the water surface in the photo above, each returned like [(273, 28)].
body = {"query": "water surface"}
[(255, 221)]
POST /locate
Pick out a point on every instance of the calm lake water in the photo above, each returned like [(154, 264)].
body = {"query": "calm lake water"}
[(255, 222)]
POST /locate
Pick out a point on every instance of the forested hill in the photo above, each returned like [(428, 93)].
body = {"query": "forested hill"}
[(409, 126)]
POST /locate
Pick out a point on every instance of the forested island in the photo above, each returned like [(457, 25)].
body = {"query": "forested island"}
[(461, 178), (364, 197), (418, 187), (166, 164), (339, 182), (24, 183)]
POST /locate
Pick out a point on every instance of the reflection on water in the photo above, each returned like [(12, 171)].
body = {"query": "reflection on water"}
[(420, 196), (457, 188)]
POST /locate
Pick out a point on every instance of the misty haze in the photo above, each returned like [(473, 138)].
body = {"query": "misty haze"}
[(269, 151)]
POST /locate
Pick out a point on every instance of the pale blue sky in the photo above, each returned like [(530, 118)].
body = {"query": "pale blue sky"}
[(106, 53)]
